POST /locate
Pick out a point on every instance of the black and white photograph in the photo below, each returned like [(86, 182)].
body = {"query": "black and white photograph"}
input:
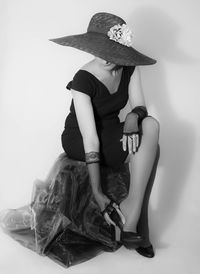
[(99, 143)]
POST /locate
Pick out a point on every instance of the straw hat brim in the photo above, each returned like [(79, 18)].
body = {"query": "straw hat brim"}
[(101, 46)]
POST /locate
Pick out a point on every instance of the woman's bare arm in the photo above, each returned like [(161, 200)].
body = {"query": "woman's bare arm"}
[(86, 121), (87, 125), (85, 117), (135, 91)]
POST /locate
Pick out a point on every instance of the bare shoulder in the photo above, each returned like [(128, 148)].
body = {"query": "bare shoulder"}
[(136, 72), (136, 76), (135, 83), (92, 69)]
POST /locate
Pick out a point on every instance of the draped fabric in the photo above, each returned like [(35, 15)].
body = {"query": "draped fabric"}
[(63, 220)]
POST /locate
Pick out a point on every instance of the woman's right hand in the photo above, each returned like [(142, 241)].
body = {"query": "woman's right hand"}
[(103, 201)]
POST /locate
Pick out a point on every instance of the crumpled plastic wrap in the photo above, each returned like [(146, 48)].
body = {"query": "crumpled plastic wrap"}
[(63, 220)]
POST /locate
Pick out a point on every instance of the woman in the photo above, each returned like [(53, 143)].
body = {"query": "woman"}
[(63, 220), (93, 132)]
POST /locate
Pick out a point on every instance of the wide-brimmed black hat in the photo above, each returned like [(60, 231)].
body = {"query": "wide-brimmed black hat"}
[(109, 38)]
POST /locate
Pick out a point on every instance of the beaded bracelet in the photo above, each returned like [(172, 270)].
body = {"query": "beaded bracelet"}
[(92, 157)]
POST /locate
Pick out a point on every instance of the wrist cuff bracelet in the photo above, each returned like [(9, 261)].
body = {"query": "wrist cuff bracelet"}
[(92, 157), (141, 111)]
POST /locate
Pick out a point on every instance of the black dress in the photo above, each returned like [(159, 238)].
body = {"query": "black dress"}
[(63, 220), (106, 108)]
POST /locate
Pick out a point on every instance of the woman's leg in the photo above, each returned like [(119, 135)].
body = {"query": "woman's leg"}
[(141, 165), (143, 224)]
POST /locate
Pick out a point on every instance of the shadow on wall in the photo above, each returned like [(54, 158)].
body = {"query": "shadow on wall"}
[(177, 142)]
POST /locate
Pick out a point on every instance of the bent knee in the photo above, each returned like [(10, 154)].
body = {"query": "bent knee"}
[(151, 125)]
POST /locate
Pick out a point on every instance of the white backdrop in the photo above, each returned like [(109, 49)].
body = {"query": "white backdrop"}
[(34, 103)]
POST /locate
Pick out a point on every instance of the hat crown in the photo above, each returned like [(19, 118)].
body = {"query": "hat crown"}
[(102, 22)]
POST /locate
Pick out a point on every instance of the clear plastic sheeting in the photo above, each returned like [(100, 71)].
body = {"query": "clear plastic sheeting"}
[(63, 220)]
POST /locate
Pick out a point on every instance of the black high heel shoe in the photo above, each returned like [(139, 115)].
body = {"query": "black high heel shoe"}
[(129, 239), (146, 251)]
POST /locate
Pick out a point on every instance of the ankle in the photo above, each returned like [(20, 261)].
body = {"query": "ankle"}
[(129, 228)]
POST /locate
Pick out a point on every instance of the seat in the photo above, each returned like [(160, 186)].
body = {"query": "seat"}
[(63, 220)]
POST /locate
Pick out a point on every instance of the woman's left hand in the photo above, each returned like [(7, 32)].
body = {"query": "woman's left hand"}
[(130, 133), (132, 141)]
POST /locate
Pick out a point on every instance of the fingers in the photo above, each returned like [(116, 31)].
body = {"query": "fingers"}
[(133, 142), (108, 219), (121, 215), (137, 140), (124, 141)]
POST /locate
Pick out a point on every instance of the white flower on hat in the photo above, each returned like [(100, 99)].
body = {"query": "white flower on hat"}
[(121, 34)]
